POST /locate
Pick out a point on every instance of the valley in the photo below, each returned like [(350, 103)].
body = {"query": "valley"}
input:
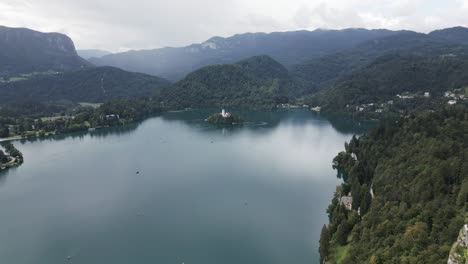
[(91, 119)]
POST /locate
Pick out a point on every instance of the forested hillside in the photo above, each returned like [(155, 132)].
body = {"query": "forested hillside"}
[(324, 71), (395, 74), (255, 83), (95, 84), (408, 180)]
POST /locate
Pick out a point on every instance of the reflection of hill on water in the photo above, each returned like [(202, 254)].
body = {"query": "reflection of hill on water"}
[(98, 133), (259, 121), (256, 121)]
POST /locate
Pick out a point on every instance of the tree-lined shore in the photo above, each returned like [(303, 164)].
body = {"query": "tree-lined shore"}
[(11, 157), (408, 183)]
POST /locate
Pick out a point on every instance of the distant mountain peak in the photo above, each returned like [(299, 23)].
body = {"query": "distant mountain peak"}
[(458, 35), (288, 48), (24, 50), (92, 53)]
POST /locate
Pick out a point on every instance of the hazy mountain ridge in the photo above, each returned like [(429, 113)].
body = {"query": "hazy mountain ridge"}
[(92, 53), (23, 50), (324, 71), (287, 48), (457, 35)]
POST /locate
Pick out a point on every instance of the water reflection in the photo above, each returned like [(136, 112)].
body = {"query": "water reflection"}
[(260, 123), (99, 133), (250, 194), (257, 121), (260, 120)]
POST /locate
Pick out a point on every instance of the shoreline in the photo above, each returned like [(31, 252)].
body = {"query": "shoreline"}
[(10, 138)]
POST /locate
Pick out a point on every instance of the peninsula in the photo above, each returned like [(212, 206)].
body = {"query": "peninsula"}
[(11, 157)]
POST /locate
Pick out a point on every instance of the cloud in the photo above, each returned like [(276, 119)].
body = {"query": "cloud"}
[(137, 24)]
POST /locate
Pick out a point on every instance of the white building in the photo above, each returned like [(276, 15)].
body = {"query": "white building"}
[(225, 114), (347, 201), (452, 102), (427, 94)]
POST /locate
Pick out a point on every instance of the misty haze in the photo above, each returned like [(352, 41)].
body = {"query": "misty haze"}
[(203, 132)]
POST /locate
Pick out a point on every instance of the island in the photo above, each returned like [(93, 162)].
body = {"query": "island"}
[(224, 118)]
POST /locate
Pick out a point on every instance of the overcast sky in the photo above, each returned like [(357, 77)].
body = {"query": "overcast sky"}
[(118, 25)]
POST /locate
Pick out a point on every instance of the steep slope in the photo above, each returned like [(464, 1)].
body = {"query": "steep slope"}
[(92, 53), (409, 182), (96, 84), (392, 74), (286, 47), (257, 82), (325, 70), (23, 50), (458, 35)]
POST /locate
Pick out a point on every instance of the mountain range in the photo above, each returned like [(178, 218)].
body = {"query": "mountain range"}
[(288, 48), (252, 70), (325, 70), (24, 51)]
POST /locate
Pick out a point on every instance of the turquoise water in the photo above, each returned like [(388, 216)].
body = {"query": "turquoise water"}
[(250, 194)]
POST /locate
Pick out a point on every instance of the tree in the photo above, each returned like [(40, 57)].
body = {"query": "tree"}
[(4, 131), (342, 233), (324, 243), (3, 157)]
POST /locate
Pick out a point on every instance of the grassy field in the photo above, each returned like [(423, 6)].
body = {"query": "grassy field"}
[(339, 253), (24, 76), (93, 105), (50, 118)]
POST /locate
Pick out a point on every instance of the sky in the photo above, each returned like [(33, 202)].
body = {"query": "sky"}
[(119, 25)]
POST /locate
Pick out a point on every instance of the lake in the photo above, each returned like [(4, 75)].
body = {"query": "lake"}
[(255, 193)]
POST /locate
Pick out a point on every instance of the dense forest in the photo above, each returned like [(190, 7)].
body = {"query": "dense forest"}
[(95, 84), (408, 179), (255, 83), (10, 157), (325, 70), (117, 111), (394, 74)]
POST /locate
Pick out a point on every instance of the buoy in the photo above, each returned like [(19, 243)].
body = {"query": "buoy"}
[(69, 257)]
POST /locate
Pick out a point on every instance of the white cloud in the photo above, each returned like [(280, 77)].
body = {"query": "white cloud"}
[(465, 4), (121, 25)]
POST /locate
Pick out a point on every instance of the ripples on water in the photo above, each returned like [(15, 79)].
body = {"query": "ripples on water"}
[(255, 193)]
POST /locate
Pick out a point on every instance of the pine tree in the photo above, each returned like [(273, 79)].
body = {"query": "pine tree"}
[(324, 243)]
